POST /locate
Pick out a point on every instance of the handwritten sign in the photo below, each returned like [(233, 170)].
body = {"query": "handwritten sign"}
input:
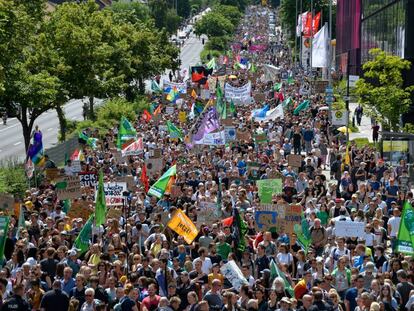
[(294, 160), (207, 213), (68, 188), (154, 166), (349, 229), (114, 193), (267, 188), (79, 209), (52, 173), (6, 203), (88, 179), (280, 217), (232, 272), (265, 220)]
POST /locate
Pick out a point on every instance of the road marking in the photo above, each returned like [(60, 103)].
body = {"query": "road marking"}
[(50, 128), (9, 127), (18, 143)]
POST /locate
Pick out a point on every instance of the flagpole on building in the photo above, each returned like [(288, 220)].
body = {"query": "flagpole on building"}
[(296, 37), (301, 26)]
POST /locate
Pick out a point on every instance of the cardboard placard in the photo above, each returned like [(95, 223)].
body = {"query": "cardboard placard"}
[(260, 138), (68, 188), (227, 122), (52, 173), (280, 217), (115, 213), (207, 213), (6, 203), (114, 193), (243, 135), (154, 166), (79, 209), (294, 160), (349, 229), (155, 153), (253, 169)]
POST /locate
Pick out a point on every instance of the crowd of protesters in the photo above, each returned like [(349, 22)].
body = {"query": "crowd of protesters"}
[(138, 263)]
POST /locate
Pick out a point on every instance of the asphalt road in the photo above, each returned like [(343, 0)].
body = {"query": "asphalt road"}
[(11, 136)]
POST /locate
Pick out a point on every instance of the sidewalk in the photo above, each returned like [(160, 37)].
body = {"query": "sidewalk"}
[(365, 130)]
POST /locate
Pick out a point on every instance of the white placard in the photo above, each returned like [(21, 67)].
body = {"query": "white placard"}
[(213, 139), (349, 229), (169, 110), (181, 87), (338, 117), (113, 193), (232, 272), (239, 95)]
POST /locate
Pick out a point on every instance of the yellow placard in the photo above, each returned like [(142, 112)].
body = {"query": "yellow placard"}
[(182, 116), (183, 226)]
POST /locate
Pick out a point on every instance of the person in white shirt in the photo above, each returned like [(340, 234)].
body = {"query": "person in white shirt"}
[(206, 261), (393, 226), (368, 237)]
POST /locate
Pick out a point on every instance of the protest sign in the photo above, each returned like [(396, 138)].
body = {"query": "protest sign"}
[(6, 203), (232, 273), (253, 169), (68, 188), (154, 166), (155, 153), (182, 116), (80, 209), (207, 213), (212, 139), (229, 133), (114, 193), (265, 220), (181, 87), (239, 95), (268, 188), (349, 229), (52, 173), (212, 83), (4, 228), (243, 135), (183, 226), (294, 160), (204, 94), (227, 122), (260, 138), (169, 110), (88, 179), (115, 213), (76, 166)]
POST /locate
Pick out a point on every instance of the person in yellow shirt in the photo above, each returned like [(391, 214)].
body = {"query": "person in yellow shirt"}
[(95, 257), (215, 274)]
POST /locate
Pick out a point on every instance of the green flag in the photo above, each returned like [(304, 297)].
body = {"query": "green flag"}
[(277, 86), (303, 234), (212, 64), (275, 272), (91, 142), (126, 133), (100, 205), (302, 106), (175, 132), (242, 230), (158, 189), (66, 206), (155, 88), (405, 238), (4, 228), (21, 224), (84, 237), (290, 80), (288, 101), (253, 68), (232, 108)]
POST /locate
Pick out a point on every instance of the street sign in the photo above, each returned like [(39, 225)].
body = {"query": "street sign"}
[(352, 80), (347, 98)]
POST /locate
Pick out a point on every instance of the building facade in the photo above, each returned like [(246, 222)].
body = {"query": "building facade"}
[(348, 35)]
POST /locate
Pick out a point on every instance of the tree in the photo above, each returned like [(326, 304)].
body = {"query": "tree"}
[(30, 88), (183, 8), (131, 11), (214, 24), (87, 39), (230, 12), (382, 90)]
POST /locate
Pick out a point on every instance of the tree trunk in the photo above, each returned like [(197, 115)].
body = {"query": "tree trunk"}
[(91, 110), (62, 122), (141, 84), (27, 130)]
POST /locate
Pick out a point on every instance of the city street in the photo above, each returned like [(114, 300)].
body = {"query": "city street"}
[(11, 137)]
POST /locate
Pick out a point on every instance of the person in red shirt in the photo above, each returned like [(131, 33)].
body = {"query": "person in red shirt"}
[(151, 302)]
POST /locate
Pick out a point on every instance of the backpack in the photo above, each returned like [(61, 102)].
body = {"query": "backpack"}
[(118, 306)]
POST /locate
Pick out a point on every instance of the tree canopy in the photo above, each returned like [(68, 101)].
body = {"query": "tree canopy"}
[(382, 90)]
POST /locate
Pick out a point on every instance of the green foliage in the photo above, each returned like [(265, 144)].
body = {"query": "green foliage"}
[(214, 24), (218, 43), (183, 8), (164, 16), (232, 13), (408, 128), (12, 178), (362, 142), (131, 11), (114, 109), (206, 52), (381, 91)]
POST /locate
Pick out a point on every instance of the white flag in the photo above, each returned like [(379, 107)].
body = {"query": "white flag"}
[(299, 26), (320, 48), (271, 115)]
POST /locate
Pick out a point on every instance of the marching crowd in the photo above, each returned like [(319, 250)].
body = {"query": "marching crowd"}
[(135, 262)]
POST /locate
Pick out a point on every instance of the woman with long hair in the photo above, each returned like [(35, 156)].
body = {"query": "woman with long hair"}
[(390, 303), (231, 302)]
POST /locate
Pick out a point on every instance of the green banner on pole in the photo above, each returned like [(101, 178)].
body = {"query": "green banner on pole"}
[(4, 228), (405, 238)]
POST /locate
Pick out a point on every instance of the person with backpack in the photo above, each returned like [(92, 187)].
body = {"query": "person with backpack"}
[(129, 301), (338, 252)]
